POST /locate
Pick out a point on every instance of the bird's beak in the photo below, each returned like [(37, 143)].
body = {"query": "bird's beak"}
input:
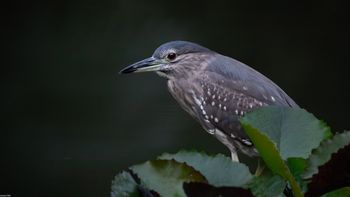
[(146, 65)]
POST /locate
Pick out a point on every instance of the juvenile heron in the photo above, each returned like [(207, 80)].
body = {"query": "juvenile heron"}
[(214, 89)]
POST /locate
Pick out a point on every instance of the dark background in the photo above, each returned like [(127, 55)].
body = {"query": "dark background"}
[(70, 123)]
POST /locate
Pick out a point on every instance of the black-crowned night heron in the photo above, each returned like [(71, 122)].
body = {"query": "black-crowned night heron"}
[(214, 89)]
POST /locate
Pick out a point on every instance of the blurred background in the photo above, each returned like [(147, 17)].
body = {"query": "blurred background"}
[(70, 123)]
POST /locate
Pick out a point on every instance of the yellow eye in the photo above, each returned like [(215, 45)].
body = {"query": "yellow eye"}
[(171, 56)]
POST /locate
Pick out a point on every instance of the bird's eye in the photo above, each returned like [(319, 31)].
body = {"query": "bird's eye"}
[(171, 56)]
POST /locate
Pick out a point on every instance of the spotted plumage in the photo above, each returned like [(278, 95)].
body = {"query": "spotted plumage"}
[(214, 89)]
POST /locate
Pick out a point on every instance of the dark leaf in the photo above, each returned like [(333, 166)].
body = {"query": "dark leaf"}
[(205, 190), (333, 175), (342, 192)]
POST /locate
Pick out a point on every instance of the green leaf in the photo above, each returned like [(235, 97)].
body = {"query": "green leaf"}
[(124, 185), (342, 192), (269, 153), (219, 170), (297, 167), (295, 131), (324, 152), (166, 176), (267, 185)]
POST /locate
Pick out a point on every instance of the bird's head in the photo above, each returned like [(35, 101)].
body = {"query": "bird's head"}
[(171, 58)]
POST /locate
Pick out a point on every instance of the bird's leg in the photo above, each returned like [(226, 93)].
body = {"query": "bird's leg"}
[(234, 156), (259, 168)]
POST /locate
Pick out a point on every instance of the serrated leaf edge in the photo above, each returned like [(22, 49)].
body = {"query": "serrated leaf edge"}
[(311, 170)]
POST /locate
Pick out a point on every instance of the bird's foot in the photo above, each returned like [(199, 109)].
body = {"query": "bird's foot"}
[(234, 156)]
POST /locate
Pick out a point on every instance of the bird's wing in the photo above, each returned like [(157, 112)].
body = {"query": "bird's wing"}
[(237, 76), (222, 107), (229, 90)]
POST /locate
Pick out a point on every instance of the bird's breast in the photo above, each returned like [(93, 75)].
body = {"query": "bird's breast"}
[(183, 94)]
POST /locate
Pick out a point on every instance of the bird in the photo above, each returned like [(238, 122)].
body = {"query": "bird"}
[(214, 89)]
